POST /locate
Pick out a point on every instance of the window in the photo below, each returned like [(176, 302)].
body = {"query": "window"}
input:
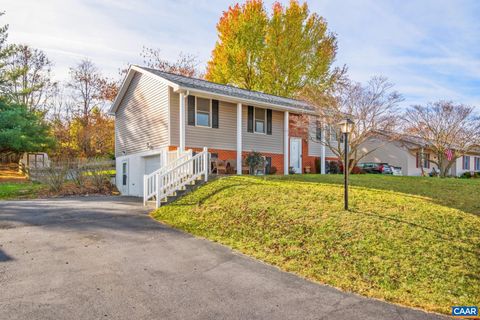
[(318, 133), (203, 113), (466, 162), (260, 116), (426, 160), (124, 174), (332, 133), (477, 163)]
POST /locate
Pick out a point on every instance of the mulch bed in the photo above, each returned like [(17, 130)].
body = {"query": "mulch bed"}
[(71, 189)]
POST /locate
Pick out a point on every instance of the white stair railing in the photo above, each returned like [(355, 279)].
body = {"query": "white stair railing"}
[(150, 180), (175, 176)]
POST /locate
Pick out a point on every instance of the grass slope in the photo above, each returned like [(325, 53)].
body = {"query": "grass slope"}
[(12, 190), (410, 246)]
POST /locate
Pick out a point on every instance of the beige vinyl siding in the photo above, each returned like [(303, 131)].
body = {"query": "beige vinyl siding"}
[(223, 137), (142, 116), (263, 142), (314, 147)]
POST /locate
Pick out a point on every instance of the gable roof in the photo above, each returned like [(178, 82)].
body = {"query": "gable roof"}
[(410, 140), (179, 82)]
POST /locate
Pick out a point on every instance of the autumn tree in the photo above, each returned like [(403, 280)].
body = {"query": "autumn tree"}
[(185, 64), (240, 48), (27, 77), (372, 107), (280, 54), (444, 126), (90, 92)]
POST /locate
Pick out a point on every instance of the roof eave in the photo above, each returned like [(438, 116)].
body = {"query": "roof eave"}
[(126, 83), (233, 99)]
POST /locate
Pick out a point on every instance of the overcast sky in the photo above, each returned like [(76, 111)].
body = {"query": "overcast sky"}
[(429, 48)]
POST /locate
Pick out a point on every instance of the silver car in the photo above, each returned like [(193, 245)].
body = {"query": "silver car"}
[(396, 171)]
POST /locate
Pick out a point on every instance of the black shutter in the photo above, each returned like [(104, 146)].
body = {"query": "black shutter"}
[(319, 131), (269, 121), (250, 119), (191, 110), (215, 114)]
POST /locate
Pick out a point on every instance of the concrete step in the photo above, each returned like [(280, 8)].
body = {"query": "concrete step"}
[(184, 191)]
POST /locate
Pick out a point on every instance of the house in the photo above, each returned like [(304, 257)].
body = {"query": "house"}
[(160, 117), (412, 155)]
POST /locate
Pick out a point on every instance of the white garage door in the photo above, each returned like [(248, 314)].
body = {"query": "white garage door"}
[(152, 163)]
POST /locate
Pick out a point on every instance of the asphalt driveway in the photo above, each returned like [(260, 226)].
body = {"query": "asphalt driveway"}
[(103, 257)]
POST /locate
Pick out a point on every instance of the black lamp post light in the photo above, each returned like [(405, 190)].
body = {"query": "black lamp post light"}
[(346, 127)]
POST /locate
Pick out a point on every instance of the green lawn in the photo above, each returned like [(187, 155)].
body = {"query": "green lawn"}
[(413, 241), (12, 190)]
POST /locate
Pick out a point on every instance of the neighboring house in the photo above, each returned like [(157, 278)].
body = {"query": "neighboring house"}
[(412, 156), (158, 112)]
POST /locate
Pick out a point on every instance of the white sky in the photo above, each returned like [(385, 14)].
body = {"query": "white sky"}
[(429, 49)]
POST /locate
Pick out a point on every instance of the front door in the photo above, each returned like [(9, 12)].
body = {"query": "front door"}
[(124, 177), (296, 154)]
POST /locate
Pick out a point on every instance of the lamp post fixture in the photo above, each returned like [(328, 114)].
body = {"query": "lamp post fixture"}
[(346, 127)]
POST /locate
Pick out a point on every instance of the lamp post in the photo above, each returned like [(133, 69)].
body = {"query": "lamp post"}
[(346, 127)]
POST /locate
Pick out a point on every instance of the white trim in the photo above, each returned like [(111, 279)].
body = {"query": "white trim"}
[(239, 138), (322, 159), (286, 147), (169, 119), (145, 153), (125, 187), (182, 121), (300, 160), (232, 99), (126, 82), (177, 89)]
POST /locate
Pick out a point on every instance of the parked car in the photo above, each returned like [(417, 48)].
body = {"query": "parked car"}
[(376, 167), (397, 171)]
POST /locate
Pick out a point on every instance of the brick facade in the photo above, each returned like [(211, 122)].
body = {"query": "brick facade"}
[(225, 155), (298, 127)]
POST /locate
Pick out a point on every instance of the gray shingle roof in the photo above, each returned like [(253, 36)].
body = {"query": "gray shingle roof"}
[(199, 84)]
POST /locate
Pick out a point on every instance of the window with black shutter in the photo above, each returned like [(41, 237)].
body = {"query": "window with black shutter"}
[(203, 112)]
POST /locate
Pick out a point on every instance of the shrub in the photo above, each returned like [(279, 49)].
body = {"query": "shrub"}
[(76, 173), (333, 167), (255, 161), (466, 175), (98, 174), (53, 176)]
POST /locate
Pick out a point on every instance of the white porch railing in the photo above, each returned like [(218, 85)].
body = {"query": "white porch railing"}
[(175, 175)]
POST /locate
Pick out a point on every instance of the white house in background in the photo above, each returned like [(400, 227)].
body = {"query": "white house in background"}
[(411, 155), (160, 116)]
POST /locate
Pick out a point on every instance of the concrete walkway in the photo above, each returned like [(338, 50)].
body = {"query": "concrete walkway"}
[(103, 257)]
